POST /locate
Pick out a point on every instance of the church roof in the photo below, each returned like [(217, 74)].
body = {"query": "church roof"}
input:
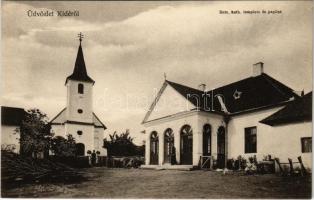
[(246, 95), (60, 119), (12, 116), (80, 72), (296, 111)]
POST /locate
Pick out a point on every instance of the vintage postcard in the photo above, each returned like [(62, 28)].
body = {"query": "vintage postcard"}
[(156, 99)]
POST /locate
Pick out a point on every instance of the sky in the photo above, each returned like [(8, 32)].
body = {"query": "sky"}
[(128, 46)]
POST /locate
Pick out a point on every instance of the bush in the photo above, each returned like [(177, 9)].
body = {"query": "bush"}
[(122, 145), (231, 164)]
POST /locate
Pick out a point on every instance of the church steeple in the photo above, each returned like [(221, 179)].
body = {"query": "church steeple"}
[(80, 72)]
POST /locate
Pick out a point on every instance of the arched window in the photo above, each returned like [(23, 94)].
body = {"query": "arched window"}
[(154, 148), (186, 152), (221, 147), (169, 151), (80, 88), (206, 140)]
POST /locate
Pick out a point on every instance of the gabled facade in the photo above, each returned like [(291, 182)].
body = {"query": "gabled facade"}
[(222, 123), (78, 118)]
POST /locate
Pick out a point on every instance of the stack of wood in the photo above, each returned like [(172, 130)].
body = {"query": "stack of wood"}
[(15, 168)]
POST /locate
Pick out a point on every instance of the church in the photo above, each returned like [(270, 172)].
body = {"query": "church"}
[(257, 116), (78, 118)]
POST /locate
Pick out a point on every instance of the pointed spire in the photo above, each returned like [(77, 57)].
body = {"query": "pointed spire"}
[(80, 72)]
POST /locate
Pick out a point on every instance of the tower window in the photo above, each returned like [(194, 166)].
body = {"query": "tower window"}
[(80, 88), (80, 132), (80, 111)]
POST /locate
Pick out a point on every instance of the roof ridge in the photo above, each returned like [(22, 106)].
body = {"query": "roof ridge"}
[(273, 81), (57, 115), (99, 121), (183, 85)]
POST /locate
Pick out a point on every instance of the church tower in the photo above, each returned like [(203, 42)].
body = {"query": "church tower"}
[(79, 91), (78, 118)]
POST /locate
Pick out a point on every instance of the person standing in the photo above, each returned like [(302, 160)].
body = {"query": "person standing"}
[(93, 158)]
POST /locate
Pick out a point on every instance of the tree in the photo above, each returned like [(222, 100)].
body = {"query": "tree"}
[(121, 145), (35, 133), (63, 147)]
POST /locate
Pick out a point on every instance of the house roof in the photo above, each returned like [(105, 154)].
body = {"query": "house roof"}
[(251, 93), (60, 119), (12, 116), (80, 72), (296, 111)]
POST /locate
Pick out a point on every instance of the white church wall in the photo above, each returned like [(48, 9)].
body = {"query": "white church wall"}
[(58, 130), (9, 138), (87, 137), (280, 141), (77, 101), (98, 141), (170, 102)]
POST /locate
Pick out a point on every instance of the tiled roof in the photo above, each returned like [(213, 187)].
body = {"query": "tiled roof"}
[(80, 72), (244, 95), (60, 119), (12, 116), (296, 111)]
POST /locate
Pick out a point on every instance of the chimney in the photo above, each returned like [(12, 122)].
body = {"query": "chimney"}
[(202, 87), (258, 69)]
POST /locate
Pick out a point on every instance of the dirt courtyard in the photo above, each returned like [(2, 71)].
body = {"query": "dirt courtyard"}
[(139, 183)]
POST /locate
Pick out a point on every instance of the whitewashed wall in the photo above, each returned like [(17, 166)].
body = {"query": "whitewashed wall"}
[(77, 101), (10, 137), (196, 120), (280, 141), (170, 102), (98, 141)]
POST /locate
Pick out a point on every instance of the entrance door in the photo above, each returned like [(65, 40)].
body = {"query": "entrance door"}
[(186, 145), (206, 145), (80, 149), (169, 151), (221, 148), (154, 142)]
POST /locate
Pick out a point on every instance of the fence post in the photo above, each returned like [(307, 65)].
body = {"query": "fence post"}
[(278, 163), (291, 166), (303, 170)]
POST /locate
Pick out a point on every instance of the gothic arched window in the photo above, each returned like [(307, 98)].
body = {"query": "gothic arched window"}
[(80, 88)]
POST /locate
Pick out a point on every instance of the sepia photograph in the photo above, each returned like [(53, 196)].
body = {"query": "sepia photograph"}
[(156, 99)]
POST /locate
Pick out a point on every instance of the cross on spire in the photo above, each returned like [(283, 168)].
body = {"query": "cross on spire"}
[(80, 36)]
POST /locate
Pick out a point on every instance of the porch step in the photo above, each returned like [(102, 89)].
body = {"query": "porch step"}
[(169, 167)]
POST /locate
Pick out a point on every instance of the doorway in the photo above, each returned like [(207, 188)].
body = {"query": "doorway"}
[(169, 150), (221, 148), (186, 154), (154, 142)]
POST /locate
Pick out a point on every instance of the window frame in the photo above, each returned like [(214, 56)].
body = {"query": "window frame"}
[(303, 146), (249, 148)]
